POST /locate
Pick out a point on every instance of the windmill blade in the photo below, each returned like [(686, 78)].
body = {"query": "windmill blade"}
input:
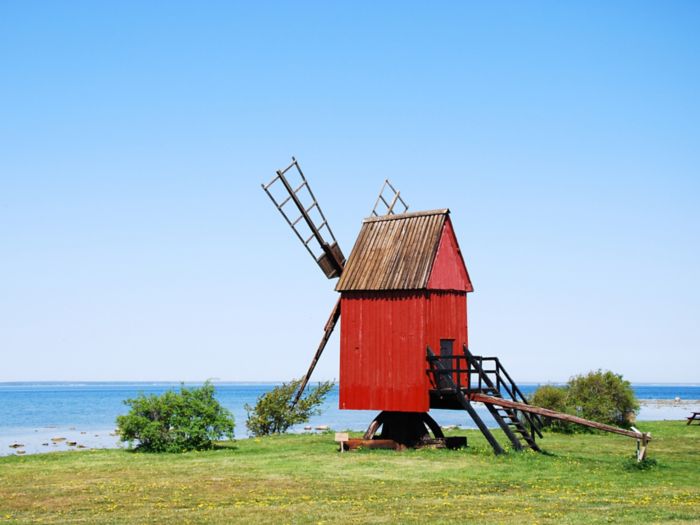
[(389, 197), (328, 330), (310, 225)]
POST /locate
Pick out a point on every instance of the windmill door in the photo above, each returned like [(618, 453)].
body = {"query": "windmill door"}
[(447, 359)]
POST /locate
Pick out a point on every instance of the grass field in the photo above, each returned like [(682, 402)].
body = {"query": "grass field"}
[(303, 479)]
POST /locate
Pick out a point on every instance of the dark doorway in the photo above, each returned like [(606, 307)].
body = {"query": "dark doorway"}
[(447, 355), (447, 351)]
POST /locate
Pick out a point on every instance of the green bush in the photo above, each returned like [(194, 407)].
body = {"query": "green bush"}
[(604, 397), (599, 396), (554, 398), (175, 421), (273, 412)]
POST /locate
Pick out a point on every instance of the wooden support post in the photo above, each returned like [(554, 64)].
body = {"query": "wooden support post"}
[(642, 444), (328, 330)]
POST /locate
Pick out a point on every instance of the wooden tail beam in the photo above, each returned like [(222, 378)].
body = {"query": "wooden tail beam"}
[(490, 400)]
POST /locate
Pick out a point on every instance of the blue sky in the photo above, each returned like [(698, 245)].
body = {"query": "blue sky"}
[(138, 245)]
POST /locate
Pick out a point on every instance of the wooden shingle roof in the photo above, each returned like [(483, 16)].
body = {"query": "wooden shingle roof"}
[(394, 252)]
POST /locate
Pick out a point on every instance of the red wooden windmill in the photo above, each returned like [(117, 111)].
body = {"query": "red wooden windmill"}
[(404, 287), (403, 293)]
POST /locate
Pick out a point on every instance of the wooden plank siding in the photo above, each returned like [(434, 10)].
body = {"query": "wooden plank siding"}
[(447, 319), (382, 347), (379, 369), (449, 271)]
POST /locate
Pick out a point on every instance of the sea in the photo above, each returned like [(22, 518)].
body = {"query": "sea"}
[(52, 416)]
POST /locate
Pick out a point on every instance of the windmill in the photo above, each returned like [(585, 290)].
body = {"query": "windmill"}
[(296, 202), (403, 291)]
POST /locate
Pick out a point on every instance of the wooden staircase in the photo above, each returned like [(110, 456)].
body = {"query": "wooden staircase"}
[(513, 427), (457, 380), (519, 426)]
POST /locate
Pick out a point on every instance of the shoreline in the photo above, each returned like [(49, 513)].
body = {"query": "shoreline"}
[(47, 439), (680, 403)]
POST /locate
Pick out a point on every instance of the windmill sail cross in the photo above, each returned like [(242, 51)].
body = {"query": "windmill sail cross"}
[(299, 207), (394, 197)]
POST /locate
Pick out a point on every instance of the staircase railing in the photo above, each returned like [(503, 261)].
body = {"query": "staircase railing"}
[(498, 381), (444, 377)]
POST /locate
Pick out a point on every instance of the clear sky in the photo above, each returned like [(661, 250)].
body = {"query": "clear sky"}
[(136, 243)]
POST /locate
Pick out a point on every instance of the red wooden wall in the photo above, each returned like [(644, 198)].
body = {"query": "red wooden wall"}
[(447, 319), (383, 338), (449, 271)]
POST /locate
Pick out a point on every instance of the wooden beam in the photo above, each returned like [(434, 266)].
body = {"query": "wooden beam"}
[(328, 330), (354, 444), (490, 400)]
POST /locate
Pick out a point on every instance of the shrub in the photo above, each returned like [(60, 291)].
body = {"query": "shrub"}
[(554, 398), (175, 421), (273, 412), (604, 397), (599, 396)]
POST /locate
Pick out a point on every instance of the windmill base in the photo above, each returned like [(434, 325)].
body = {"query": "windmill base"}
[(401, 430)]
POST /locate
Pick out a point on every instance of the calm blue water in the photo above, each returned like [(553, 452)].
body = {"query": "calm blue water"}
[(32, 413)]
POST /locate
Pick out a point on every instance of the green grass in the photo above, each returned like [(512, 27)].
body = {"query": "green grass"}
[(303, 479)]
